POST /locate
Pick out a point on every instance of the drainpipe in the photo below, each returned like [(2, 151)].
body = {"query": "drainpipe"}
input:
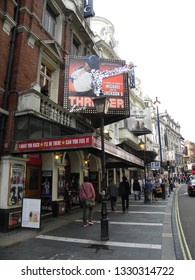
[(8, 76)]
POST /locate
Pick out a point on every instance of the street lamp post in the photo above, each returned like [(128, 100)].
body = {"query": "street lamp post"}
[(102, 104), (157, 102), (142, 146)]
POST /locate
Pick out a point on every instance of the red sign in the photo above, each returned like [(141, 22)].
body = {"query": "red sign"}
[(70, 142), (78, 142), (83, 84)]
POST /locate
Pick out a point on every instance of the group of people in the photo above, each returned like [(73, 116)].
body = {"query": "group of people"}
[(149, 188)]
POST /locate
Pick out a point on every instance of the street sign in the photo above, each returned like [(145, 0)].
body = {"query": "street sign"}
[(155, 165)]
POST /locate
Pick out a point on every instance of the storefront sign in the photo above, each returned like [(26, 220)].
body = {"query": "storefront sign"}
[(79, 141), (89, 141)]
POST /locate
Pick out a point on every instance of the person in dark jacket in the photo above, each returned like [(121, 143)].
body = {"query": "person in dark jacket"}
[(136, 189), (124, 192), (67, 198)]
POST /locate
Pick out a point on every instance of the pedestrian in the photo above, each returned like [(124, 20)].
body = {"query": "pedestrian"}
[(167, 194), (86, 194), (67, 198), (148, 190), (156, 189), (112, 193), (124, 192), (136, 189), (171, 184)]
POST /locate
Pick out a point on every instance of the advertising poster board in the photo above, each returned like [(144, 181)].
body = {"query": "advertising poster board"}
[(140, 122), (31, 213), (15, 219), (17, 186), (46, 190), (61, 182), (78, 89)]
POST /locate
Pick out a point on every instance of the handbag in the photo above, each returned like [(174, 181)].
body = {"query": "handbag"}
[(89, 202), (158, 189)]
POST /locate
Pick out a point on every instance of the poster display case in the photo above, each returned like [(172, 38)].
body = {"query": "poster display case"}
[(31, 213)]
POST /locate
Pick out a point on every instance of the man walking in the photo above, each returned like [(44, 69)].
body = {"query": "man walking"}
[(124, 192)]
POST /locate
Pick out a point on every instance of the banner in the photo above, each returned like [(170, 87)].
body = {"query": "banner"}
[(86, 77), (88, 8)]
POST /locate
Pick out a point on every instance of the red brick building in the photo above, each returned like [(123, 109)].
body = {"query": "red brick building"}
[(35, 37)]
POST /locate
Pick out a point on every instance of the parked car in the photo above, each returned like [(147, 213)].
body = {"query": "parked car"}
[(191, 187)]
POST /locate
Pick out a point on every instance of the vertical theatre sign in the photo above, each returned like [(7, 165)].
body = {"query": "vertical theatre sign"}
[(88, 8), (83, 77)]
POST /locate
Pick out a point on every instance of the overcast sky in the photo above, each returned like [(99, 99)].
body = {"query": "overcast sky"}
[(158, 36)]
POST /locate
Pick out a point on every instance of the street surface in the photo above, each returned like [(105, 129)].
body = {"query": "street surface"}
[(142, 233), (186, 212)]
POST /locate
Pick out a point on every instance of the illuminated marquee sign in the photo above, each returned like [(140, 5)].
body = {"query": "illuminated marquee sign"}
[(79, 89)]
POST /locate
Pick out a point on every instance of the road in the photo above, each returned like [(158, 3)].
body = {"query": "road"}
[(186, 222)]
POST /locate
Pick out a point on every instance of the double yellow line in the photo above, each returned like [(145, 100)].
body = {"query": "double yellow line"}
[(182, 239)]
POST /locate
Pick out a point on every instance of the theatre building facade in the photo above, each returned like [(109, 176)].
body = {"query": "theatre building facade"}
[(49, 136)]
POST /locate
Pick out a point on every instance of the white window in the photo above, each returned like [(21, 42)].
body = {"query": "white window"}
[(45, 76), (50, 21), (49, 76)]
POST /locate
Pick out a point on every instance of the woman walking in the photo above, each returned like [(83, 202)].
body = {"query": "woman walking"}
[(86, 194)]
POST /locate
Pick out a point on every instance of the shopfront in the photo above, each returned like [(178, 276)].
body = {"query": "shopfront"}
[(42, 168)]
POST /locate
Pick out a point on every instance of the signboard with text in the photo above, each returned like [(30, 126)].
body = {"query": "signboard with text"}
[(81, 86), (155, 165), (77, 141)]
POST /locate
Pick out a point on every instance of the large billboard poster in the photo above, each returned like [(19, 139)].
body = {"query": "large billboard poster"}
[(140, 122), (83, 83)]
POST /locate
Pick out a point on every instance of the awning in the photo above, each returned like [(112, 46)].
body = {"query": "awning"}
[(149, 156), (76, 142)]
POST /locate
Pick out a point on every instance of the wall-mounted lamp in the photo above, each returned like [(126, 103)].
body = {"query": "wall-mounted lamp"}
[(86, 161), (57, 156)]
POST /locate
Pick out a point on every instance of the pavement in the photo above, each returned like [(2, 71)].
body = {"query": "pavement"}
[(144, 232)]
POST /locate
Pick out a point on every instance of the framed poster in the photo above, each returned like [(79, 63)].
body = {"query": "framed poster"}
[(15, 219), (17, 184), (31, 213), (61, 182)]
